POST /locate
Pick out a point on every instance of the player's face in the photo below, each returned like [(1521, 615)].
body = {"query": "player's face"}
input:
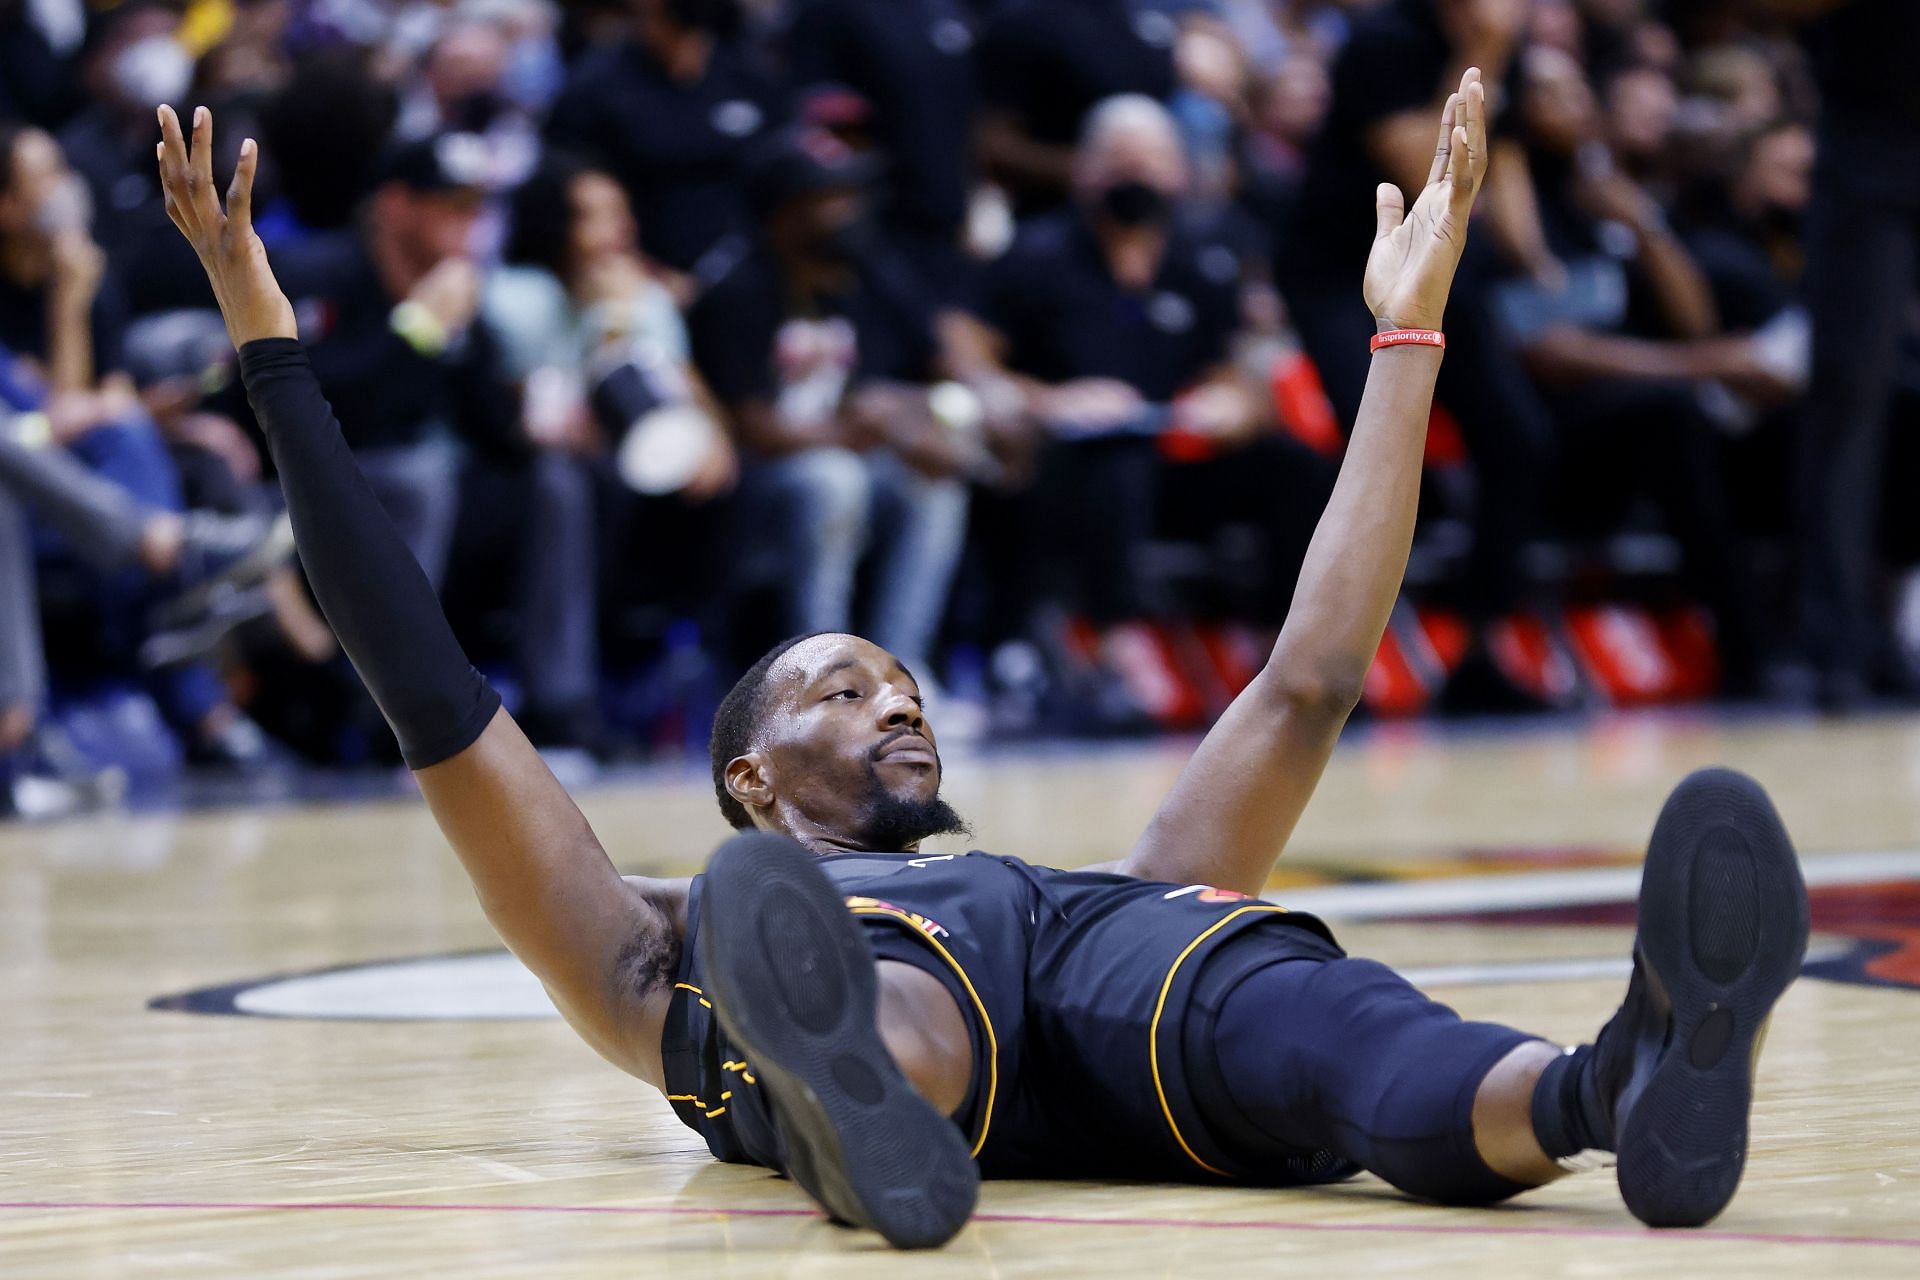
[(848, 747)]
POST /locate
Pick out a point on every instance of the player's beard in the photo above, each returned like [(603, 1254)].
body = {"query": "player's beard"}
[(894, 823)]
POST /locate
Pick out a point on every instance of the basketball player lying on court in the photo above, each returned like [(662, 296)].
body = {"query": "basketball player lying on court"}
[(885, 1027)]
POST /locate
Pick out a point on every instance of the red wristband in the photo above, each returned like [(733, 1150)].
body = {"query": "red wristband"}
[(1408, 338)]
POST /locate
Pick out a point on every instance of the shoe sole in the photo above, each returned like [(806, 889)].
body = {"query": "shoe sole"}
[(794, 985), (1723, 929)]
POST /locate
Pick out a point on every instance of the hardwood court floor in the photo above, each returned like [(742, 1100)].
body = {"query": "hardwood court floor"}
[(147, 1142)]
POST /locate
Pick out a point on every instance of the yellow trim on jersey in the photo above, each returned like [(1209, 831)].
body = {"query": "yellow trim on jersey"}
[(1153, 1029), (993, 1044)]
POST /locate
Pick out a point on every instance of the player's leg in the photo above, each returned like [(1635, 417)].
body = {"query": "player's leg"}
[(795, 986), (1346, 1056)]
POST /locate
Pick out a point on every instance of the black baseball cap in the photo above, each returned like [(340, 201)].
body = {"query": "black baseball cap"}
[(441, 162), (801, 160)]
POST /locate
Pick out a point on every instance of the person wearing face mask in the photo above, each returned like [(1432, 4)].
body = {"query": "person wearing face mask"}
[(1118, 319), (671, 113), (132, 62), (821, 345), (1043, 66), (461, 85)]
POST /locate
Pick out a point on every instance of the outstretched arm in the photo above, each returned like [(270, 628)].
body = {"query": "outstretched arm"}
[(602, 945), (1237, 801)]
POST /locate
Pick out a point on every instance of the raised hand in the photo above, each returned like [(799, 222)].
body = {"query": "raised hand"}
[(234, 259), (1414, 253)]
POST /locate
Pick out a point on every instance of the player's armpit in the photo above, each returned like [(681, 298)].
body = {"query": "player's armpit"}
[(1235, 804), (603, 946)]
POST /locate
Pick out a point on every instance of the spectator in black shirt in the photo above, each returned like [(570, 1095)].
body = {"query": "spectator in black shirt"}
[(821, 345), (388, 311), (387, 308), (1396, 67), (1118, 321), (670, 113), (1622, 347), (1862, 246), (911, 60), (36, 83), (1745, 231), (1043, 66)]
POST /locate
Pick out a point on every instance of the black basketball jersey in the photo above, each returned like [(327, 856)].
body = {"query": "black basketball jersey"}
[(1072, 983)]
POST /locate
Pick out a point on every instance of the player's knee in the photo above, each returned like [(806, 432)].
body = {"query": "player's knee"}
[(1421, 1124)]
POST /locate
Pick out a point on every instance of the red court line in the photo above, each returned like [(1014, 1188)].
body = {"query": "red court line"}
[(1031, 1219)]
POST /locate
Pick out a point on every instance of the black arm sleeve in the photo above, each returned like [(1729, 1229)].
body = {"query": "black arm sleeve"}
[(367, 582)]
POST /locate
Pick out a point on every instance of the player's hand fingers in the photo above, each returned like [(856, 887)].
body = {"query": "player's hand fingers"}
[(240, 192), (173, 210), (1443, 147), (1390, 209), (1460, 167), (173, 169), (200, 167), (1475, 106), (1471, 116)]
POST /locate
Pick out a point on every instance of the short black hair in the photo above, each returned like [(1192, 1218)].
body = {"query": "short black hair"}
[(738, 719)]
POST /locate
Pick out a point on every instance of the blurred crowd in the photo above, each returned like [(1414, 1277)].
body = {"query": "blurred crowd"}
[(1020, 335)]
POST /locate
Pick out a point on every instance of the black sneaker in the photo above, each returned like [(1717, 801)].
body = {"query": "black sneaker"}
[(1723, 928), (794, 986)]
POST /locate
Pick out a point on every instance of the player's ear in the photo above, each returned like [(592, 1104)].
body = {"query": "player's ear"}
[(749, 781)]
